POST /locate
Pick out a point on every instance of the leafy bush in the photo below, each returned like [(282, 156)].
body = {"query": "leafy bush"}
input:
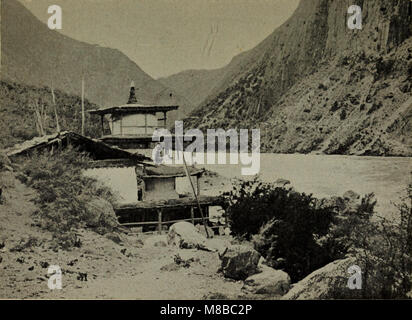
[(383, 249), (286, 225), (299, 234), (293, 231), (63, 192)]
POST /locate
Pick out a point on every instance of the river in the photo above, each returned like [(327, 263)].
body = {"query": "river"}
[(328, 175)]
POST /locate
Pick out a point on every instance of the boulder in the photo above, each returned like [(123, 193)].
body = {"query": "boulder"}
[(321, 283), (352, 202), (100, 213), (185, 235), (269, 281), (281, 182), (239, 262)]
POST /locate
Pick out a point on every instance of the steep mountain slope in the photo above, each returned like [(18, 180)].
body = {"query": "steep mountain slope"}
[(194, 85), (17, 113), (35, 55), (293, 84)]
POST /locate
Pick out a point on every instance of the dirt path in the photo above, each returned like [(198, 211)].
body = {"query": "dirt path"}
[(133, 266), (154, 275)]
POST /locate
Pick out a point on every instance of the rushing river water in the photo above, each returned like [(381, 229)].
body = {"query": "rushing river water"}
[(327, 175), (322, 175)]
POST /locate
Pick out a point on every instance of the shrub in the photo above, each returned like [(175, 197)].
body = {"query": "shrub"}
[(286, 225), (63, 192), (299, 234), (383, 249), (294, 231)]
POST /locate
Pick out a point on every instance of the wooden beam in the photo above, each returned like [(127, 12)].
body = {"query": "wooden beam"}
[(147, 223), (83, 116)]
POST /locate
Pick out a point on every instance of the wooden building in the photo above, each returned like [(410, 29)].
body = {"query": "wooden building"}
[(161, 194), (133, 124)]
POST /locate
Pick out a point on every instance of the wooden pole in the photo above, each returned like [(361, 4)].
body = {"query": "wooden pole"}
[(194, 192), (83, 117), (192, 215), (102, 123), (55, 109), (159, 220)]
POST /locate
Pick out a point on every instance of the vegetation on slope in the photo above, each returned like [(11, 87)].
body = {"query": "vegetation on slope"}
[(17, 113), (64, 195)]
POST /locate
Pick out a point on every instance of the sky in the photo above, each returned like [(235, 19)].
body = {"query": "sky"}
[(165, 37)]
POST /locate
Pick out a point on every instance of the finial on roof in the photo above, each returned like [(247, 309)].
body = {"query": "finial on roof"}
[(132, 95)]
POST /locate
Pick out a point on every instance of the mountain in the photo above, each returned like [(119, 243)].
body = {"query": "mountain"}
[(34, 55), (314, 85), (17, 113), (194, 85)]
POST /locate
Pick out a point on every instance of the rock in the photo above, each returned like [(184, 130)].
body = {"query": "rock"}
[(239, 262), (351, 196), (156, 241), (269, 281), (262, 263), (100, 213), (201, 229), (352, 202), (186, 236), (282, 182), (321, 283)]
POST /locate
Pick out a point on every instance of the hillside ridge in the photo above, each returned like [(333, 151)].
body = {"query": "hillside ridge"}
[(362, 73)]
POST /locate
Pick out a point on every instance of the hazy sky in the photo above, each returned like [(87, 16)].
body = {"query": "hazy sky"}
[(168, 36)]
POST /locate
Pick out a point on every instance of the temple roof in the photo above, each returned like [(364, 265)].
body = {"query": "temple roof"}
[(133, 108)]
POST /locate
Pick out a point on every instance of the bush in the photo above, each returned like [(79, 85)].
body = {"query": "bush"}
[(294, 231), (299, 234), (286, 225), (383, 249), (63, 193)]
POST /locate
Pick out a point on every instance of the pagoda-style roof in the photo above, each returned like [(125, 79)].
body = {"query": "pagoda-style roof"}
[(133, 108)]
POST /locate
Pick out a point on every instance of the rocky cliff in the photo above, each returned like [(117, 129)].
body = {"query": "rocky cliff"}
[(315, 85)]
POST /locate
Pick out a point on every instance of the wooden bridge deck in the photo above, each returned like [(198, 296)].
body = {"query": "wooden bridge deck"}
[(135, 214)]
